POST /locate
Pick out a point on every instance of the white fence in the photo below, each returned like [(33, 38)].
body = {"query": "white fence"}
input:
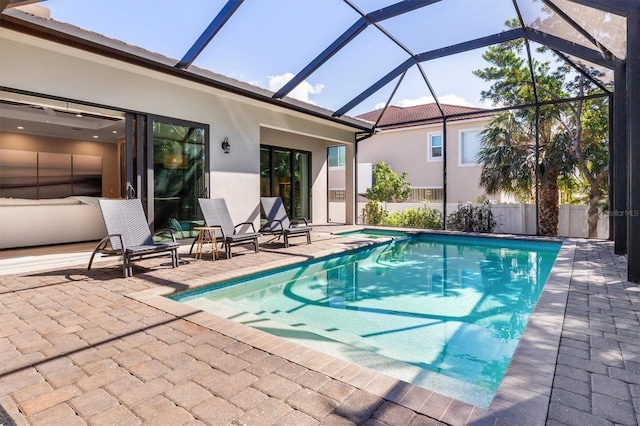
[(511, 218)]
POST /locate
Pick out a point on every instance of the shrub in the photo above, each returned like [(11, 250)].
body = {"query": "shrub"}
[(374, 214), (423, 217), (472, 218), (388, 185)]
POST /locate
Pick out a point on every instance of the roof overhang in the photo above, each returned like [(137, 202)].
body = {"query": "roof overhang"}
[(77, 38)]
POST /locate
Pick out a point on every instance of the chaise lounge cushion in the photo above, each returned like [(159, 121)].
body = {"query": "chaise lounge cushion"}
[(69, 201)]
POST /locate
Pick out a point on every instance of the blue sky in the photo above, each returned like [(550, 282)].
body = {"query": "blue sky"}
[(268, 41)]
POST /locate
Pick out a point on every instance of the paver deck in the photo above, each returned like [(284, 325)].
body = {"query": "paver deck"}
[(91, 347)]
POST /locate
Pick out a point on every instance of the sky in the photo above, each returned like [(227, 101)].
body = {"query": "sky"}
[(267, 42)]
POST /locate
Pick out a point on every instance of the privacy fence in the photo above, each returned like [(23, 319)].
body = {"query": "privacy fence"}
[(511, 218)]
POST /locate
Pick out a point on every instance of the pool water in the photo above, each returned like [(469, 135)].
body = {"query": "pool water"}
[(373, 233), (442, 312)]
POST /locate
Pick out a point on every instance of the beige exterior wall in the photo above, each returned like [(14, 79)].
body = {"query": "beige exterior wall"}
[(408, 150), (51, 69), (337, 178)]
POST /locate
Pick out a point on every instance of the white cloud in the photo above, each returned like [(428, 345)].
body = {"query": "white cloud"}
[(301, 92), (446, 99)]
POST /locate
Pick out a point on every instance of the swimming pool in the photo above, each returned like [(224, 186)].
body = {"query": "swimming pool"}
[(442, 312)]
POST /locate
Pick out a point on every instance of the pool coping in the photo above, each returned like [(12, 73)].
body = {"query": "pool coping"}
[(523, 395)]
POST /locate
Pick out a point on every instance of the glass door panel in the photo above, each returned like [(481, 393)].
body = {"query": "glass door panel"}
[(133, 158), (301, 195), (179, 176), (265, 172), (286, 173), (282, 177)]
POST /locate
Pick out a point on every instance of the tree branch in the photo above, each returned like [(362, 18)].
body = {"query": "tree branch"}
[(582, 162)]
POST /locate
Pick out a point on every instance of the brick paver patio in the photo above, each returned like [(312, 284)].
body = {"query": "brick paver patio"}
[(90, 347)]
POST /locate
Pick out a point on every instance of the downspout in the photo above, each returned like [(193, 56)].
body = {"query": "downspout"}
[(444, 172), (355, 159)]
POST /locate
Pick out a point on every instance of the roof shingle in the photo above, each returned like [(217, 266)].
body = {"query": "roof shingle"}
[(397, 117)]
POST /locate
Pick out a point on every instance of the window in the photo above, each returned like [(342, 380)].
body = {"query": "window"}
[(427, 195), (469, 147), (337, 156), (337, 195), (435, 147)]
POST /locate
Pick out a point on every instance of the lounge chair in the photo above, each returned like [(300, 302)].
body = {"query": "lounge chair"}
[(129, 234), (216, 213), (278, 222)]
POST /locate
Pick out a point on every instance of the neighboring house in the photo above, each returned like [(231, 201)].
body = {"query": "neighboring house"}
[(73, 102), (412, 139)]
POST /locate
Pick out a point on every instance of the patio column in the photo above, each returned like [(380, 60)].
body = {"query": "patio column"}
[(633, 134), (350, 214), (618, 162)]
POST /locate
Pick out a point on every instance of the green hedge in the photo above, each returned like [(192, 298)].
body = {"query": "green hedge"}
[(422, 217), (468, 217)]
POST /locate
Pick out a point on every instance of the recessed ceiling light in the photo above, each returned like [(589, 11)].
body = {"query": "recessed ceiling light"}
[(115, 131), (78, 115), (95, 136), (20, 128)]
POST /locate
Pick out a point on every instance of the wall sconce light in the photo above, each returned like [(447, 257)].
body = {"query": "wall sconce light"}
[(226, 146)]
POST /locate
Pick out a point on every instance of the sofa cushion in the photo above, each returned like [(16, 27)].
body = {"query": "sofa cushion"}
[(40, 202), (38, 224)]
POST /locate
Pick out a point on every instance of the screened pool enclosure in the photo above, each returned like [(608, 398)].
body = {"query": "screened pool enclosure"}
[(337, 59)]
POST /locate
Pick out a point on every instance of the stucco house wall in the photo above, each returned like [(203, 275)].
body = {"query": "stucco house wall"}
[(407, 149), (50, 69)]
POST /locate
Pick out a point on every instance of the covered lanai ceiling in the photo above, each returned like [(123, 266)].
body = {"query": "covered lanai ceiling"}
[(347, 56)]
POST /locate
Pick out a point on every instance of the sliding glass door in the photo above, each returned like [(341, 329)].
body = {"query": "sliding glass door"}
[(301, 184), (179, 175), (285, 173), (167, 168)]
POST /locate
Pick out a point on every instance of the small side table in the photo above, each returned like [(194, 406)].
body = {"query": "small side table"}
[(206, 235)]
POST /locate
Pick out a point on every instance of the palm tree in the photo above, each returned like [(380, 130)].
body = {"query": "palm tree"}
[(571, 137), (588, 124), (508, 159)]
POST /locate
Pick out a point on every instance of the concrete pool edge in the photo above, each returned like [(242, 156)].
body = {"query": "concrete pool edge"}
[(524, 391)]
